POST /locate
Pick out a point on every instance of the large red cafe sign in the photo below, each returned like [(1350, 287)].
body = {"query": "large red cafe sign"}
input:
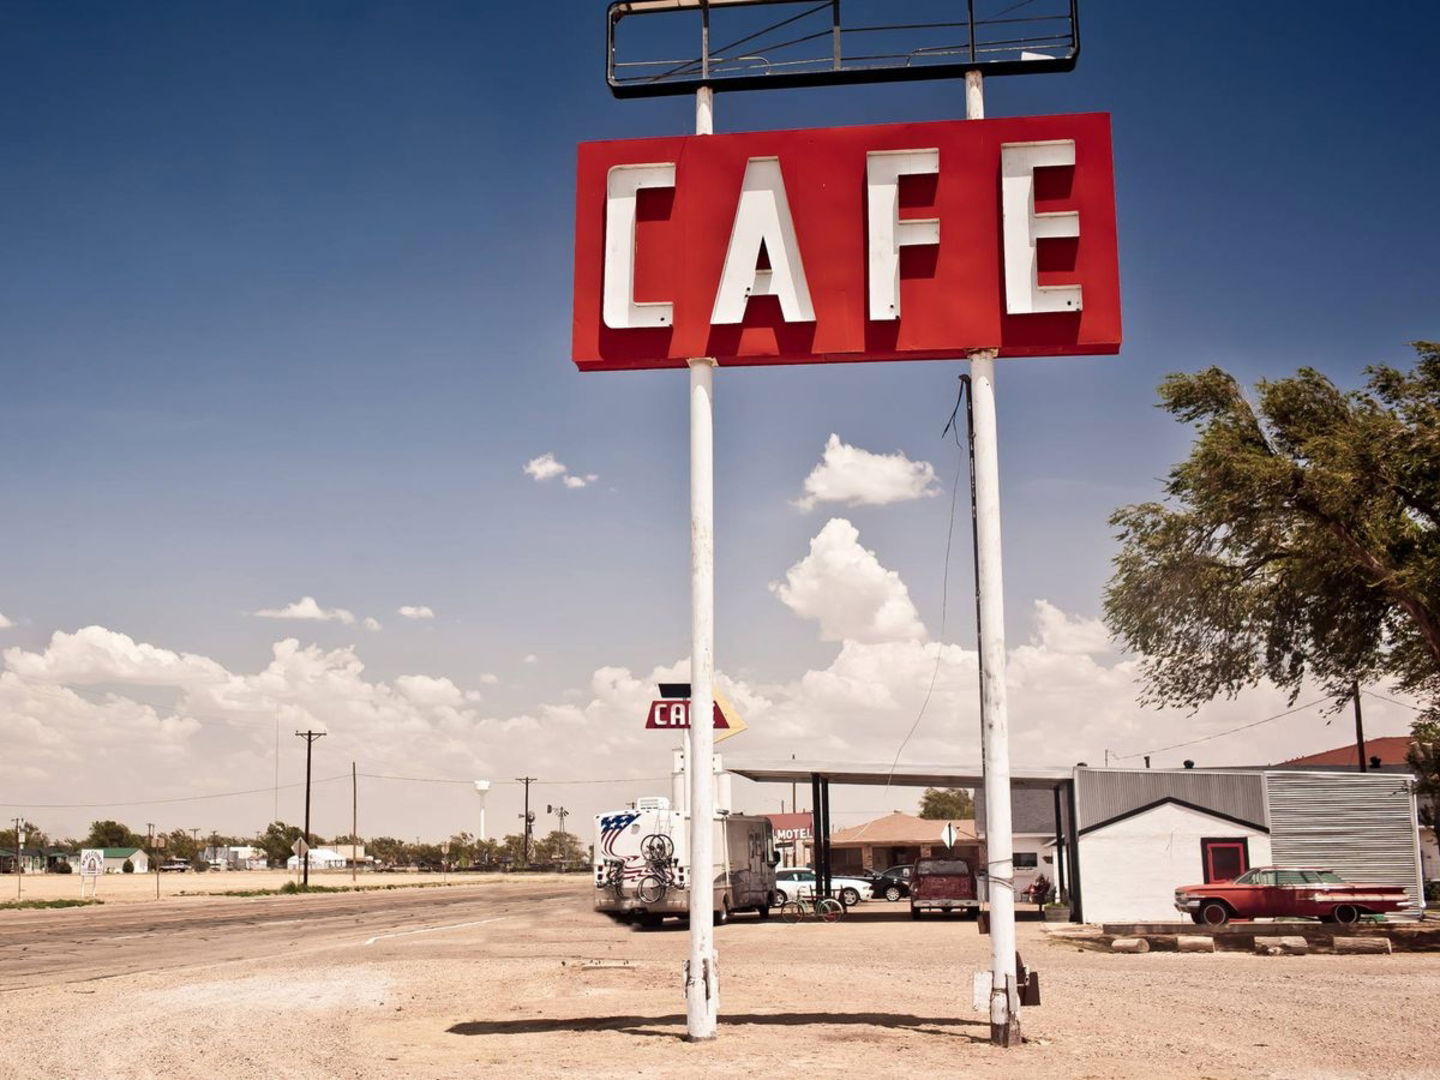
[(903, 241)]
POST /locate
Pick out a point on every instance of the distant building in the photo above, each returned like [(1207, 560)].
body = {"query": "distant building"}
[(117, 857), (320, 859), (895, 839)]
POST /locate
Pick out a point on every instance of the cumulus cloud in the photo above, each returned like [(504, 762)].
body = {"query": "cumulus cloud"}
[(847, 474), (306, 608), (842, 586), (1072, 634), (489, 679), (531, 658), (416, 611), (545, 467), (5, 623), (370, 623)]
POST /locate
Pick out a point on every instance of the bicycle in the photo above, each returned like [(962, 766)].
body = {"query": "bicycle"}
[(826, 909), (658, 852), (614, 879)]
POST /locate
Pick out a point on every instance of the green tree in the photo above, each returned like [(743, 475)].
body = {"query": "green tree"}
[(181, 844), (563, 848), (105, 834), (34, 838), (946, 804), (1423, 757), (388, 851), (278, 839), (1299, 542)]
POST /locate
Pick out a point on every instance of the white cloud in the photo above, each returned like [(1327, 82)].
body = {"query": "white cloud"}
[(306, 608), (5, 623), (489, 679), (1058, 632), (370, 623), (530, 658), (545, 467), (416, 611), (848, 474), (843, 586)]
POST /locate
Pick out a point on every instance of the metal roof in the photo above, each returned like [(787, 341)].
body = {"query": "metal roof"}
[(881, 774)]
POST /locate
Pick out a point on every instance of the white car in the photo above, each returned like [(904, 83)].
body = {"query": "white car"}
[(800, 882)]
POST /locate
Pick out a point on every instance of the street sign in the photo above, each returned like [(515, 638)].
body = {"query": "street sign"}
[(92, 862), (948, 834), (300, 847), (891, 242), (445, 847)]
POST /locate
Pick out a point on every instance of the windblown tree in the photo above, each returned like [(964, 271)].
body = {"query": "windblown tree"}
[(1299, 542)]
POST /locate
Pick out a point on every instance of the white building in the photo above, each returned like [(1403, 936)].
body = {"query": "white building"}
[(116, 858), (320, 859)]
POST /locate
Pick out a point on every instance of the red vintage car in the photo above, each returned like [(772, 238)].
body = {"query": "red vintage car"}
[(1283, 892)]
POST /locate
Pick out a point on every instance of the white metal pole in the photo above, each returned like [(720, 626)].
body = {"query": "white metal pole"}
[(995, 732), (702, 985)]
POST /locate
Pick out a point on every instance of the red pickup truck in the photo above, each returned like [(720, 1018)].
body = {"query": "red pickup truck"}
[(1286, 892), (943, 885)]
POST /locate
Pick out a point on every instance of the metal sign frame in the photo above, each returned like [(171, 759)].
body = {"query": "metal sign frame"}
[(1002, 54)]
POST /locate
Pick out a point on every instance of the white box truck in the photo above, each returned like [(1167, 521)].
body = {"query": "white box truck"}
[(642, 864)]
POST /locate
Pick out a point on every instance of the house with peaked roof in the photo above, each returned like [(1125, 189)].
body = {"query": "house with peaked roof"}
[(1142, 833), (894, 839), (117, 857)]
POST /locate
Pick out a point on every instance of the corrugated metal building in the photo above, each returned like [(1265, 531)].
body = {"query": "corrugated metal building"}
[(1142, 832)]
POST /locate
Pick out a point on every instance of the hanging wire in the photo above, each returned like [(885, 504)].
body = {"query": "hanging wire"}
[(950, 426)]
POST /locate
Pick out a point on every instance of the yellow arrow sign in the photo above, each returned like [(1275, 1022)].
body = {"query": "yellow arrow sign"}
[(732, 718)]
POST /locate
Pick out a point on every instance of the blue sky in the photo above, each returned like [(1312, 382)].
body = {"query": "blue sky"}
[(284, 311)]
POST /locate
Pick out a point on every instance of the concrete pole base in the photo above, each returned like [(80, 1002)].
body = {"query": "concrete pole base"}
[(1006, 1035)]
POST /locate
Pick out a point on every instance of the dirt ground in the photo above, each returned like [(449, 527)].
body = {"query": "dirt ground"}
[(545, 987), (131, 888)]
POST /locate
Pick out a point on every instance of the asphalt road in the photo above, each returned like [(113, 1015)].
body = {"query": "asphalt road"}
[(73, 945)]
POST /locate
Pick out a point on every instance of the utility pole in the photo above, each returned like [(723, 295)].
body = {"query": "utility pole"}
[(354, 821), (561, 813), (309, 737), (1359, 724), (527, 817), (19, 847)]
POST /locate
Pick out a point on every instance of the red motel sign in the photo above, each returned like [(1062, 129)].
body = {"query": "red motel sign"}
[(893, 242)]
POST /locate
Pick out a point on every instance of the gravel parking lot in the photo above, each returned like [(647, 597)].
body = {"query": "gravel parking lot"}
[(523, 980)]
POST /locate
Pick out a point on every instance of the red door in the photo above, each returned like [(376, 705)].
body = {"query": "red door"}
[(1224, 858)]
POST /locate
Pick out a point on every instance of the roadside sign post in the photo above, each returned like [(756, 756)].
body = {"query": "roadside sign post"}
[(302, 857), (92, 865), (1020, 223), (444, 862)]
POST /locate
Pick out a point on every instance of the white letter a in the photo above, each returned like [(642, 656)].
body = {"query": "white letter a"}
[(763, 217)]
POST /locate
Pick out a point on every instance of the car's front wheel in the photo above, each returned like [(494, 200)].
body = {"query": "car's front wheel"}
[(1214, 913), (892, 893), (849, 897)]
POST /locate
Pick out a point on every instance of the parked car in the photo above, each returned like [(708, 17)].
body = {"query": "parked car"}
[(1287, 892), (800, 881), (894, 884), (943, 885), (178, 866)]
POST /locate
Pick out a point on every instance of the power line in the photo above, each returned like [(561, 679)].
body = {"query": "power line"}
[(160, 802), (1392, 701), (1222, 734)]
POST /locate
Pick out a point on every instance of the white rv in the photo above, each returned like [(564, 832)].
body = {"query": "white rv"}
[(642, 864)]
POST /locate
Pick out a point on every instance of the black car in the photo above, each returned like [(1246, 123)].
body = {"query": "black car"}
[(894, 884)]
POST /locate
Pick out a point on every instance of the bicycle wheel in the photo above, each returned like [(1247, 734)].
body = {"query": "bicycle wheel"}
[(792, 911), (657, 847), (829, 910), (652, 889)]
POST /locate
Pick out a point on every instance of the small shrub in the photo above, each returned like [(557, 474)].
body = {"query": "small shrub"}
[(1432, 892), (62, 867), (128, 868)]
